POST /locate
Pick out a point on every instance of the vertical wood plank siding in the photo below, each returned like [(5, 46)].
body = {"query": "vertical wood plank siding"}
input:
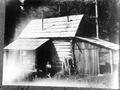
[(20, 61), (87, 59)]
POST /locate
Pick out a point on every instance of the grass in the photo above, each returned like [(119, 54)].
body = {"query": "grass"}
[(100, 81)]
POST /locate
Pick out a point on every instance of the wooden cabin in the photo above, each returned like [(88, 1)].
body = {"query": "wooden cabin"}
[(59, 42)]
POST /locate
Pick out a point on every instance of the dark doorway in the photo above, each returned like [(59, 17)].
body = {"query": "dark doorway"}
[(43, 59)]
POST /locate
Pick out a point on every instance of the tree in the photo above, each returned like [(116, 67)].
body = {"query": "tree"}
[(12, 14), (108, 19)]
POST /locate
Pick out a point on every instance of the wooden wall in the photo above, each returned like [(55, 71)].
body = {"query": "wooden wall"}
[(63, 50), (92, 59), (87, 58), (17, 64)]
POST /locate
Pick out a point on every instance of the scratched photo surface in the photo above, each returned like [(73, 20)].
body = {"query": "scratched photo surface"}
[(61, 43)]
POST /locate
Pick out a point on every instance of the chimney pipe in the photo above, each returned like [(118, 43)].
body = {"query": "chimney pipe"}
[(42, 19)]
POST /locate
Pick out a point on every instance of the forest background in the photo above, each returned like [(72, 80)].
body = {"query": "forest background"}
[(20, 12)]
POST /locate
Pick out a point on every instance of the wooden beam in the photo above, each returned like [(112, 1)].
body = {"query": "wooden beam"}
[(79, 47), (98, 60), (111, 60)]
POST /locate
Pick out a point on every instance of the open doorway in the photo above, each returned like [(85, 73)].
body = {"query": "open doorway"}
[(43, 59)]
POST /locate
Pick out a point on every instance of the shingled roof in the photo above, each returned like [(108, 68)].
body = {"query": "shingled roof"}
[(52, 27), (34, 36), (26, 44), (101, 42)]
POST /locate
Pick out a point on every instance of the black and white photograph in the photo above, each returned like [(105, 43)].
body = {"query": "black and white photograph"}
[(61, 43)]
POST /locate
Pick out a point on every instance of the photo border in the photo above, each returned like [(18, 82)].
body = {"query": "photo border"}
[(5, 87)]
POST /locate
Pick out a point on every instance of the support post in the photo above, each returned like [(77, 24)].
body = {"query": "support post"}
[(111, 60), (67, 18), (98, 58), (96, 19)]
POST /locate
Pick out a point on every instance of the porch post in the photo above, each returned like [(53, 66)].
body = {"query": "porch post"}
[(98, 59), (111, 60)]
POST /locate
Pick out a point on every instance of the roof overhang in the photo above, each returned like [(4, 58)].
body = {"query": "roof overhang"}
[(26, 44), (101, 42)]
